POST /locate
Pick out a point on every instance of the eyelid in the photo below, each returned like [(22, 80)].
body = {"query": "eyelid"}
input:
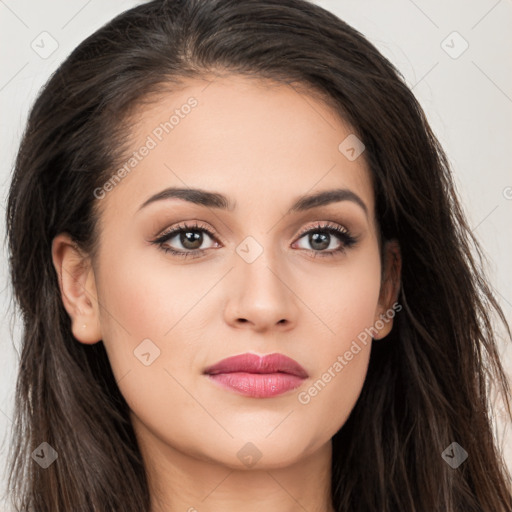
[(193, 225), (184, 225), (323, 225), (342, 233)]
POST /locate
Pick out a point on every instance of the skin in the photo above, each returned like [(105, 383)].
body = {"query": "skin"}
[(262, 145)]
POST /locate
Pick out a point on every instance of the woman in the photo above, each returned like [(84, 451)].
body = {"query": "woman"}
[(245, 278)]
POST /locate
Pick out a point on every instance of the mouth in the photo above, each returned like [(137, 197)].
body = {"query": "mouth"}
[(257, 376)]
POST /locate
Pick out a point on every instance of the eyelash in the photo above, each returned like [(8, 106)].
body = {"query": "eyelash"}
[(347, 240)]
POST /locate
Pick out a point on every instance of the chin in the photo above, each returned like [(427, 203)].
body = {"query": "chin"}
[(264, 453)]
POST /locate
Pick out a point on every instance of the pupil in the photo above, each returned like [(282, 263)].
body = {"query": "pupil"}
[(189, 238), (314, 239)]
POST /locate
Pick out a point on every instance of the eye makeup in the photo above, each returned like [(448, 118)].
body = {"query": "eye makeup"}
[(319, 233)]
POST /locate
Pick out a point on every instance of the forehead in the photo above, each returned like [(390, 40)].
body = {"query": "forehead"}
[(256, 141)]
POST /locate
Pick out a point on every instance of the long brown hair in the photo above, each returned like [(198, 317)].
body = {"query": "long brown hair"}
[(428, 384)]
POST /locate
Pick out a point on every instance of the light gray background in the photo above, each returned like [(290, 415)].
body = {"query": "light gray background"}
[(467, 98)]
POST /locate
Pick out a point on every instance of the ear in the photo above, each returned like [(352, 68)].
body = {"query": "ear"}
[(78, 288), (390, 288)]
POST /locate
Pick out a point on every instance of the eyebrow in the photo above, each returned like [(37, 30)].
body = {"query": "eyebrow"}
[(221, 202)]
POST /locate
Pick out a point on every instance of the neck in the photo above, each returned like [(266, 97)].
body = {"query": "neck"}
[(184, 482)]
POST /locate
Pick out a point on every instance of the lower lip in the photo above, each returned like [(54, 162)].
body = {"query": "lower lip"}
[(258, 385)]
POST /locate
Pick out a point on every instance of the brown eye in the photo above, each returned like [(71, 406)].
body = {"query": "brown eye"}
[(185, 240), (190, 239), (324, 236)]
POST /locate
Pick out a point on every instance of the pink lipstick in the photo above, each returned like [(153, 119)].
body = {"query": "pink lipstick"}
[(258, 376)]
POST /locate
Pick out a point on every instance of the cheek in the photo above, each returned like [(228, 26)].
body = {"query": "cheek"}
[(148, 297), (345, 299), (145, 323), (347, 305)]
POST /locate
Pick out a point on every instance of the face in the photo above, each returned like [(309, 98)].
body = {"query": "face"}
[(257, 273)]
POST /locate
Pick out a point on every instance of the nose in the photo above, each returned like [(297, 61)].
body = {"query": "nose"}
[(260, 295)]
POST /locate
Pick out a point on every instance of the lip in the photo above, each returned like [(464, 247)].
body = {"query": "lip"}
[(257, 376)]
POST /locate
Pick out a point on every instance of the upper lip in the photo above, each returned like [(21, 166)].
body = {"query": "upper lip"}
[(252, 363)]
